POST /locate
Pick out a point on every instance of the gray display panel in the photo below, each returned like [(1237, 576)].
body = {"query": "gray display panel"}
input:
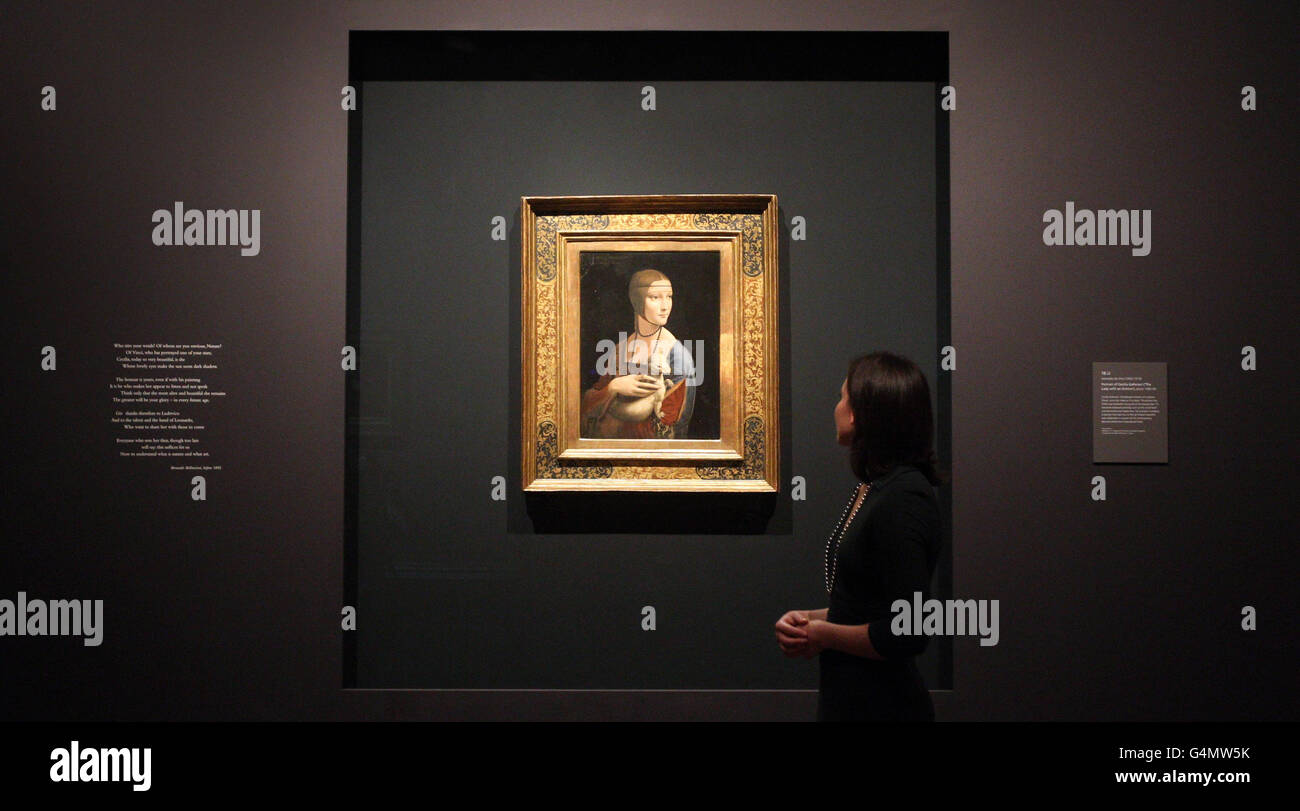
[(458, 590)]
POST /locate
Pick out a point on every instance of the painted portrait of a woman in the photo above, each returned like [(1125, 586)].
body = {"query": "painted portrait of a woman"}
[(646, 389)]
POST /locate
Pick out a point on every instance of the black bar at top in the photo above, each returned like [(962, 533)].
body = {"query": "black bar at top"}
[(649, 55)]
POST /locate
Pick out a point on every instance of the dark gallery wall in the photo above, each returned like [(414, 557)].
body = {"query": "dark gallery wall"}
[(1127, 608), (439, 313)]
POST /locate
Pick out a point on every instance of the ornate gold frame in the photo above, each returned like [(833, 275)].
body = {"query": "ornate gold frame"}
[(743, 227)]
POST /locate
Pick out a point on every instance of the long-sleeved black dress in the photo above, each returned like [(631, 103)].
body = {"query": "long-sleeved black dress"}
[(888, 551)]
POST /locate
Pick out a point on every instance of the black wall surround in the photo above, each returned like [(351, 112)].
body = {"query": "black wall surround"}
[(435, 157), (925, 230)]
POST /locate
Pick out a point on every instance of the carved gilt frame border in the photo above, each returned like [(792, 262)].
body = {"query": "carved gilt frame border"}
[(747, 456)]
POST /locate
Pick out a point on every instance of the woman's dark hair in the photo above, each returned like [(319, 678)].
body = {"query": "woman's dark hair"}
[(892, 420)]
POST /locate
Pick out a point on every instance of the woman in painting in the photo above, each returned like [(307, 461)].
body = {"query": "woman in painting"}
[(883, 548), (650, 392)]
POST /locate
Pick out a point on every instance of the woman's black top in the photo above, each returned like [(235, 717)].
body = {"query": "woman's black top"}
[(888, 552)]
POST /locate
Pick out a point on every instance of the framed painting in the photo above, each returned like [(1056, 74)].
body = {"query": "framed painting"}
[(650, 343)]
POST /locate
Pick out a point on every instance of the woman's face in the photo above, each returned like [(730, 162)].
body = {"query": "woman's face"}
[(658, 303), (844, 416)]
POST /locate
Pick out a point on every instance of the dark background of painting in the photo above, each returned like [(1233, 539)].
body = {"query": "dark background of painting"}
[(1122, 610), (605, 310)]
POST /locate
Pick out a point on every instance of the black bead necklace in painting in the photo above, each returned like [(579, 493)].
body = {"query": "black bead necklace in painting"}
[(650, 356), (837, 535)]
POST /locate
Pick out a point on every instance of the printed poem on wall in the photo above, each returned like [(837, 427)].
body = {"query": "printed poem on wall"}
[(1130, 422), (161, 396)]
